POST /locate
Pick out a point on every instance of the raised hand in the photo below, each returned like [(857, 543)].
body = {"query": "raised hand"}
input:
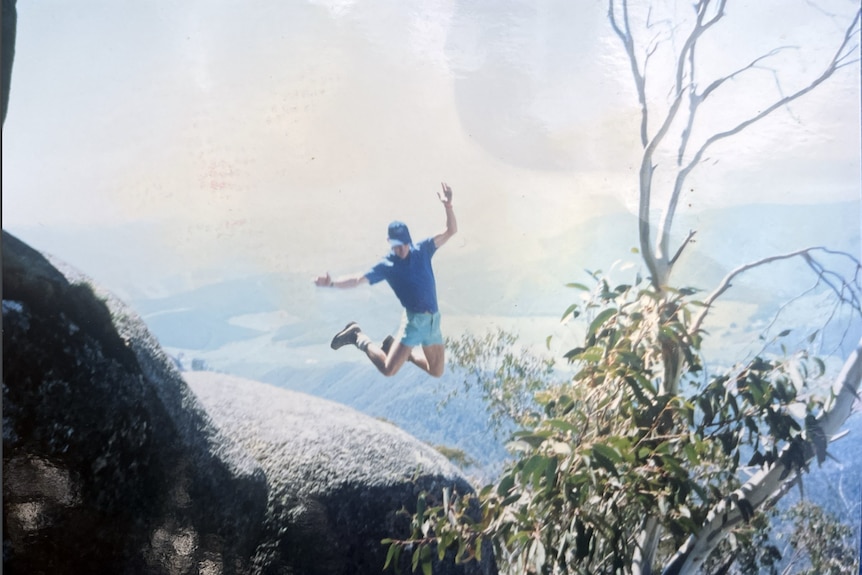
[(323, 281), (446, 195)]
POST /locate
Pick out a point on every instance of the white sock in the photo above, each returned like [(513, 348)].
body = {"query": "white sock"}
[(362, 341)]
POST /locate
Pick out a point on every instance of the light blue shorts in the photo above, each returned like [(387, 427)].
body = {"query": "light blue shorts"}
[(420, 329)]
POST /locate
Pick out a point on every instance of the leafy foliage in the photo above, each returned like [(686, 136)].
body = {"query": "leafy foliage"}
[(753, 553), (820, 544), (643, 444), (639, 431), (505, 376)]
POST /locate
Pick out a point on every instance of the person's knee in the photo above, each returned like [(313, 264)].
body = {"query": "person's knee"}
[(435, 361), (436, 370), (390, 370), (393, 363)]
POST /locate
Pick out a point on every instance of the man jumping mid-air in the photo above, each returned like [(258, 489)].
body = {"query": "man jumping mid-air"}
[(407, 269)]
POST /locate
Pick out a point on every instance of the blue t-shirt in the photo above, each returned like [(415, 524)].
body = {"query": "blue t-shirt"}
[(412, 278)]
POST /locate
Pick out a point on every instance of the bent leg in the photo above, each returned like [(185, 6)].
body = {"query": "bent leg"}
[(432, 359), (391, 363)]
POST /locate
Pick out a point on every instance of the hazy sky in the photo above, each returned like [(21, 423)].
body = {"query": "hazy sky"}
[(293, 131)]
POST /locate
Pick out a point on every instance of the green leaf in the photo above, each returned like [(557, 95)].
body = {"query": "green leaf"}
[(820, 365), (645, 383), (390, 555), (533, 439), (593, 354), (534, 468), (755, 387), (672, 464), (551, 471), (571, 310), (509, 500), (579, 286), (562, 425), (462, 550), (600, 320), (636, 389), (425, 558), (608, 452), (691, 453), (757, 459), (573, 352), (706, 406), (602, 461), (506, 484), (629, 358)]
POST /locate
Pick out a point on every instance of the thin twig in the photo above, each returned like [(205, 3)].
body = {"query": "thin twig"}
[(682, 246)]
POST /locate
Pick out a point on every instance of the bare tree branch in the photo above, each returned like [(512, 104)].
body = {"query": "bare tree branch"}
[(658, 265), (841, 58), (725, 283), (686, 54), (827, 275), (682, 246), (625, 35), (695, 99)]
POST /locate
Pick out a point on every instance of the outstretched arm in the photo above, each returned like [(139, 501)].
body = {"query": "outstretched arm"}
[(451, 223), (348, 282)]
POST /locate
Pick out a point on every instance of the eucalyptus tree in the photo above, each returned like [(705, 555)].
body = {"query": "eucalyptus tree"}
[(646, 460), (688, 93)]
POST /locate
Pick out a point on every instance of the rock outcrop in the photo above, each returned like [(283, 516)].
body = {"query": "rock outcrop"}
[(339, 480), (110, 465)]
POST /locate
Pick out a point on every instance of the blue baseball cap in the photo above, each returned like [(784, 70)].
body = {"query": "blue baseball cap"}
[(399, 235)]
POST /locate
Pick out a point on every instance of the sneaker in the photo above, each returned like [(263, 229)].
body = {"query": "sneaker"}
[(387, 344), (346, 336)]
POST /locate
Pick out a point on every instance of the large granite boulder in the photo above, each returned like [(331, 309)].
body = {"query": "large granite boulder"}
[(110, 464), (339, 481), (113, 464)]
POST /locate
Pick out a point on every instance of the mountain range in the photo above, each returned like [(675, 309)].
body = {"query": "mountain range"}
[(275, 327)]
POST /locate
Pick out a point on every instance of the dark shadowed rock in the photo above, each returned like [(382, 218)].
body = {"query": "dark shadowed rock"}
[(339, 481), (9, 23), (110, 465)]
